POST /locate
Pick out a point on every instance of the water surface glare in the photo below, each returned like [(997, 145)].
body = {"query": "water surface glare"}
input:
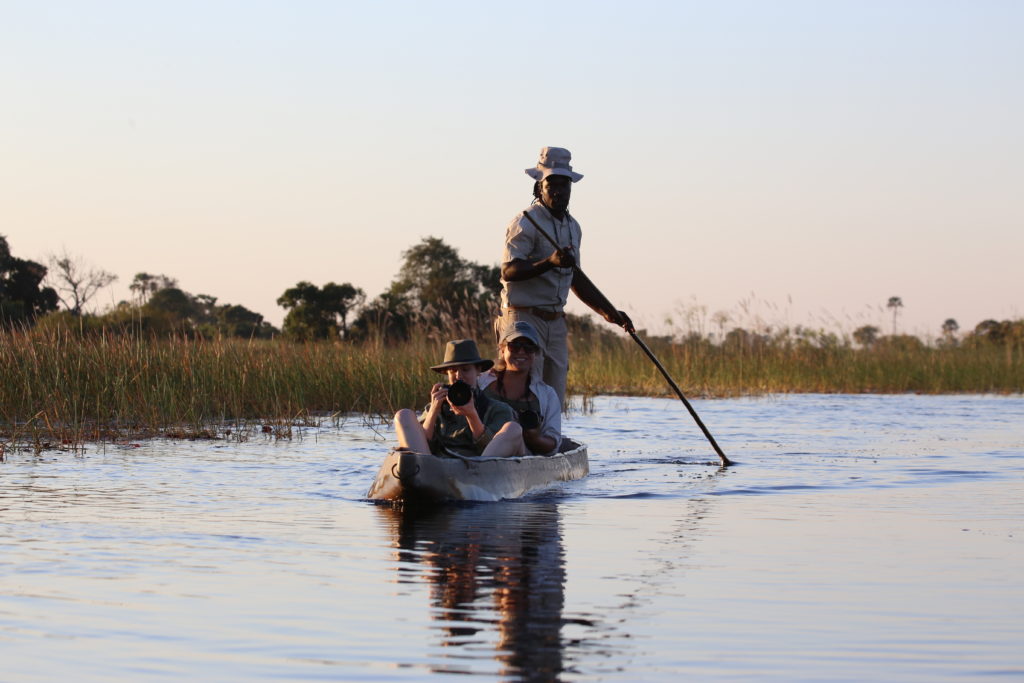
[(858, 537)]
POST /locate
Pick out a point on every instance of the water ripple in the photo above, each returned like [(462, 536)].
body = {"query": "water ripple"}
[(859, 534)]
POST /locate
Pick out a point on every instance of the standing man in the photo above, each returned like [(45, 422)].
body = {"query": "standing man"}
[(536, 277)]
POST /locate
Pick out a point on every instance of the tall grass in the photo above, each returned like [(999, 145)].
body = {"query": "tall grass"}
[(703, 369), (69, 388), (63, 387)]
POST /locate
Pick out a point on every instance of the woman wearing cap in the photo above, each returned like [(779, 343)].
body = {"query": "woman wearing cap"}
[(480, 426), (535, 403)]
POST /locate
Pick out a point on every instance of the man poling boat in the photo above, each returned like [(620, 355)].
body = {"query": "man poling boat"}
[(530, 291), (539, 268), (514, 412)]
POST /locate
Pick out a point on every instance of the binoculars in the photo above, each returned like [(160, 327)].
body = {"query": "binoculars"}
[(529, 419)]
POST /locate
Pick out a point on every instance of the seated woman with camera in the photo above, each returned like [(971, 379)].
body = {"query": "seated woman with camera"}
[(460, 419), (535, 403)]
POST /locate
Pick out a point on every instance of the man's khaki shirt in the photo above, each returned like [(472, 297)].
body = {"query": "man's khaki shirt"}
[(549, 290)]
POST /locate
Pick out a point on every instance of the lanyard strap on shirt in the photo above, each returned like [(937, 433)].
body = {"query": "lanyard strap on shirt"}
[(543, 232)]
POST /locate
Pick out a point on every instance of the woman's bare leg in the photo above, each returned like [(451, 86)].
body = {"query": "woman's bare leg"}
[(410, 432), (507, 443)]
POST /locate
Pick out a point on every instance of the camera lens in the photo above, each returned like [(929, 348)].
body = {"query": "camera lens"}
[(459, 393)]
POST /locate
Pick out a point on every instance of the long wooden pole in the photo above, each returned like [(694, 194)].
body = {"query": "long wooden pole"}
[(577, 272), (714, 444)]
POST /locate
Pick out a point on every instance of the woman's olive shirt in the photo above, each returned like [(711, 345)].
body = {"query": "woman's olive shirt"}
[(452, 431)]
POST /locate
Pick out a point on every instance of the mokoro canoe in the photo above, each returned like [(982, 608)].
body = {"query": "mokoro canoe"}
[(424, 477)]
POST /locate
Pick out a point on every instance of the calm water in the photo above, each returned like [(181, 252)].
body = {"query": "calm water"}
[(858, 537)]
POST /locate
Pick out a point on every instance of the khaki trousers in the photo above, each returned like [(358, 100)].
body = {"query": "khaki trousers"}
[(552, 365)]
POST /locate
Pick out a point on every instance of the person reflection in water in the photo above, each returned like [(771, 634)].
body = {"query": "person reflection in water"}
[(484, 560)]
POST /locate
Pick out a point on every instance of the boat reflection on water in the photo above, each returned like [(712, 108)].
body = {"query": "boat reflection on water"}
[(496, 573)]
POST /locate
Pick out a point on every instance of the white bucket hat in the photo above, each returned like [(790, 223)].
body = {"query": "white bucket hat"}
[(554, 161)]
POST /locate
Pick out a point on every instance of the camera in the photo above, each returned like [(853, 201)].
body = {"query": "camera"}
[(529, 419), (459, 393)]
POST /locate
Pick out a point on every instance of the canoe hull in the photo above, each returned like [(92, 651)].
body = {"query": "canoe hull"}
[(419, 477)]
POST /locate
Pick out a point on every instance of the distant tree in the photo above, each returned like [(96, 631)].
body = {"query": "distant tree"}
[(171, 309), (866, 335), (342, 299), (22, 296), (808, 337), (177, 303), (903, 343), (433, 277), (239, 321), (1000, 333), (228, 320), (75, 281), (721, 319), (436, 290), (145, 285), (318, 313), (949, 329), (895, 303), (207, 304), (739, 339), (386, 318), (989, 331), (693, 340)]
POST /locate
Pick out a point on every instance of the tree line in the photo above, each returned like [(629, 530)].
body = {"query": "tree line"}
[(435, 293), (435, 289), (31, 295)]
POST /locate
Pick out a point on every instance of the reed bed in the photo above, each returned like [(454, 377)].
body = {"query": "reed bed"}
[(703, 369), (62, 389)]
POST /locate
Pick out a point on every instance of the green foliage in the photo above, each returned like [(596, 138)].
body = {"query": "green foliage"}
[(435, 289), (172, 311), (318, 312), (949, 337), (22, 296), (145, 285), (80, 380), (237, 321), (1009, 333), (65, 386), (169, 312), (798, 361), (433, 273), (739, 339), (388, 318), (900, 343), (174, 303), (866, 335)]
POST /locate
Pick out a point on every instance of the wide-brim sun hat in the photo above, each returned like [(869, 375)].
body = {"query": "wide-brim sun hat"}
[(462, 352), (520, 329), (554, 161)]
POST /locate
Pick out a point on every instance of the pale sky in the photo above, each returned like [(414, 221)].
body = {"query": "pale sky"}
[(801, 161)]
